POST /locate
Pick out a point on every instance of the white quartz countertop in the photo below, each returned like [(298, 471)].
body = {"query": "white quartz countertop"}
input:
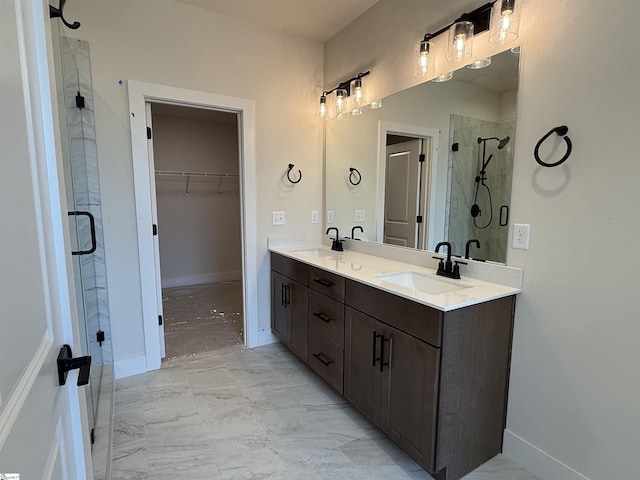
[(367, 269)]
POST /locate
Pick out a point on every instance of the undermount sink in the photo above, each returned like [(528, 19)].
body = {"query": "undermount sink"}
[(425, 283), (315, 252)]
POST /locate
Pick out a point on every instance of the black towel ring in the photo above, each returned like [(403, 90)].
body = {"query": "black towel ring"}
[(352, 174), (562, 131), (289, 176), (58, 12)]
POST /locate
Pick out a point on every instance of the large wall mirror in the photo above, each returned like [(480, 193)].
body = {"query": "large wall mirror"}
[(433, 164)]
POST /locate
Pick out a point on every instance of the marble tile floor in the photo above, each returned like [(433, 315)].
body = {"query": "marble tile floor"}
[(202, 318), (238, 413)]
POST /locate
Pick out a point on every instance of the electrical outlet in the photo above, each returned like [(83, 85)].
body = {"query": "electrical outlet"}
[(329, 216), (520, 236), (314, 216), (359, 215), (278, 218)]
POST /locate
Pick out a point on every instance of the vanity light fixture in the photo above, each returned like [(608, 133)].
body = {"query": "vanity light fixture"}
[(498, 16), (445, 77), (478, 64), (349, 98)]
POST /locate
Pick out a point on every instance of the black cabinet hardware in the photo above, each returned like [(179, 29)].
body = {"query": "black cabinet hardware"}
[(324, 283), (323, 359), (287, 294), (66, 363), (382, 362), (322, 316), (374, 359)]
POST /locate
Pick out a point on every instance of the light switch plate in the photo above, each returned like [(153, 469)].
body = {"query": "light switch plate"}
[(314, 216), (521, 236), (329, 216), (278, 218), (359, 215)]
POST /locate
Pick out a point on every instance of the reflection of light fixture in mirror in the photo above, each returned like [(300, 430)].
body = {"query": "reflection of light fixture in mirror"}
[(423, 63), (504, 22), (485, 62), (516, 49), (445, 77), (460, 46), (350, 98), (375, 104)]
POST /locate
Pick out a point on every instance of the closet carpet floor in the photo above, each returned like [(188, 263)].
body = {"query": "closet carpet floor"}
[(238, 413), (202, 318)]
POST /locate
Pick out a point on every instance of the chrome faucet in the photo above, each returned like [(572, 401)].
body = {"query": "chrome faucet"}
[(353, 229), (337, 243)]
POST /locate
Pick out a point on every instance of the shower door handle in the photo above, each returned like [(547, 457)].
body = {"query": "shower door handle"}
[(92, 225), (504, 215)]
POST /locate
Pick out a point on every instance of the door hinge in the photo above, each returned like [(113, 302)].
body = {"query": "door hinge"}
[(419, 219), (149, 133), (422, 157), (100, 337), (155, 229), (79, 101), (455, 147), (159, 320)]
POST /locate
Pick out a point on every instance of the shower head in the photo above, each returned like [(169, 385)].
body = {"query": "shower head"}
[(502, 142)]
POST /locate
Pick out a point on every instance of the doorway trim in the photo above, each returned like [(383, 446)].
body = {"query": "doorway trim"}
[(139, 94), (415, 131)]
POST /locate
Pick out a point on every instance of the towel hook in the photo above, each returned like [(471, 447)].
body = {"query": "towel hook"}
[(356, 175), (561, 131), (58, 12), (289, 176)]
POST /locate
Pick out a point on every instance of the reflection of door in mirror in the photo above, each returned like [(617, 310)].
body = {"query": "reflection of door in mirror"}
[(481, 172), (404, 189)]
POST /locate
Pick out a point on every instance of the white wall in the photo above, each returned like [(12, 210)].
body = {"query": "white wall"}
[(199, 230), (169, 43), (574, 396)]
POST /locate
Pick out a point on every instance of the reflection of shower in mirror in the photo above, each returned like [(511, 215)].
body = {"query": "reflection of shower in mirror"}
[(481, 179)]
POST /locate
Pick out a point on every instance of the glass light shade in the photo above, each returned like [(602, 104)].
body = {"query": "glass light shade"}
[(505, 20), (323, 107), (375, 104), (340, 104), (445, 77), (460, 47), (357, 93), (478, 64), (423, 60)]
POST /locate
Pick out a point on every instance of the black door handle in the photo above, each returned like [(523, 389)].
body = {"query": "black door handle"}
[(92, 225), (66, 363)]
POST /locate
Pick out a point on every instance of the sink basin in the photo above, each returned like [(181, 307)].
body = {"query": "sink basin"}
[(315, 252), (425, 283)]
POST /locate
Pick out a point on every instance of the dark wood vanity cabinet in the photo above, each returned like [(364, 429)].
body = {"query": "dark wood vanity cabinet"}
[(434, 382), (289, 303)]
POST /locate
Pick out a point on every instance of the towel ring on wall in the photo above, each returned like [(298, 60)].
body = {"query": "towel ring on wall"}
[(289, 176), (562, 131), (354, 173)]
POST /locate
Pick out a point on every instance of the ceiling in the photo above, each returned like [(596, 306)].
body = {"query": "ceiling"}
[(313, 19)]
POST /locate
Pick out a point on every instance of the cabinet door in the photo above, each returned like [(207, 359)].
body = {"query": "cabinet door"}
[(409, 390), (280, 313), (361, 363), (298, 304)]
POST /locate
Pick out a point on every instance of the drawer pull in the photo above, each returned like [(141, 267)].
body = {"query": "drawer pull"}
[(324, 283), (322, 316), (323, 359)]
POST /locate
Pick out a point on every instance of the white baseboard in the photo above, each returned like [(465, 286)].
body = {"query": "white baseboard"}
[(537, 461), (199, 279), (265, 337), (126, 367)]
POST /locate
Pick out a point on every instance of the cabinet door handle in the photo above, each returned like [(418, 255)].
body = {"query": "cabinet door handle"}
[(324, 283), (323, 359), (283, 294), (287, 291), (374, 359), (322, 316), (382, 362)]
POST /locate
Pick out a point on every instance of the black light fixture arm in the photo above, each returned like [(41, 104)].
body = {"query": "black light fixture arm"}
[(58, 12), (346, 85), (480, 18)]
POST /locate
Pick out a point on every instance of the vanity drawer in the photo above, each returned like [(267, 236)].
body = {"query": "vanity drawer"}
[(326, 360), (326, 317), (424, 323), (328, 283), (293, 269)]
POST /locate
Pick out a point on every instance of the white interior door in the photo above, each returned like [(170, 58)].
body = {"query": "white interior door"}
[(42, 425), (154, 216), (402, 188)]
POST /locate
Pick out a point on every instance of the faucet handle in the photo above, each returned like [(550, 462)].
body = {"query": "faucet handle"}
[(456, 268), (440, 264)]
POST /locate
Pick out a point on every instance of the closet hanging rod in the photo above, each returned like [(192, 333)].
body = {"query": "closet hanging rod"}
[(195, 174)]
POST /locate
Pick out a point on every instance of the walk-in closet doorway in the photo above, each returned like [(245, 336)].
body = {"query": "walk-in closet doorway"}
[(195, 153)]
